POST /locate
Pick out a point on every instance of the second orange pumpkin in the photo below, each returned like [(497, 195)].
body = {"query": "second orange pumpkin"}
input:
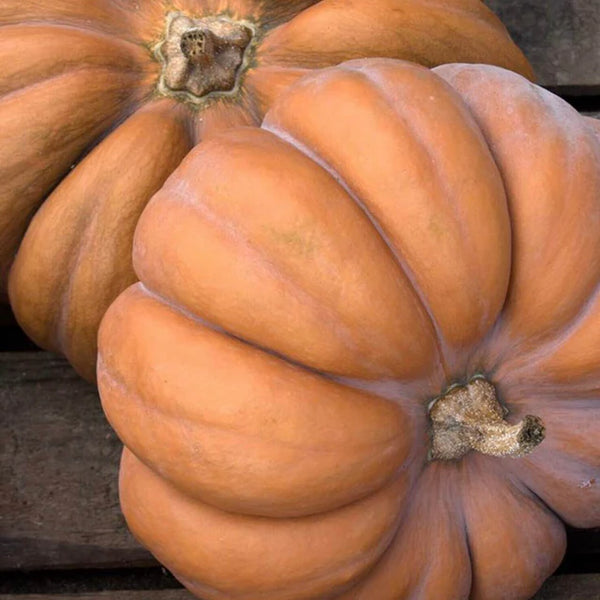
[(102, 99)]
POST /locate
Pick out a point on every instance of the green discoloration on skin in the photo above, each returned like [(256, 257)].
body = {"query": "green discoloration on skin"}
[(300, 240), (437, 228)]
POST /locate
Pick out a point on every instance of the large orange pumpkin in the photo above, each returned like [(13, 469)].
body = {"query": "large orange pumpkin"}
[(363, 360), (132, 85)]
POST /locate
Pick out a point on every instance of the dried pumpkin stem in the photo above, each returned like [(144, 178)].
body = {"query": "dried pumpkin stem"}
[(202, 56), (469, 417)]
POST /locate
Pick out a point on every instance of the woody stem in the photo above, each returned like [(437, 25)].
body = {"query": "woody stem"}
[(469, 417), (201, 56)]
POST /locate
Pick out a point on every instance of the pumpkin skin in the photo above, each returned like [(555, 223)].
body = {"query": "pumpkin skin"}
[(307, 288), (83, 107)]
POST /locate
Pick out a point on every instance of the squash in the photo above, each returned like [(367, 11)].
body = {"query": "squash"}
[(102, 99), (363, 357)]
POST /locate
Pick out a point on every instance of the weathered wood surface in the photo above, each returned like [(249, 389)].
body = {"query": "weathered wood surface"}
[(563, 587), (561, 39), (58, 471), (58, 474), (568, 587)]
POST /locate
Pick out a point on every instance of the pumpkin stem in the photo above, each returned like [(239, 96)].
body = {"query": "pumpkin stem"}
[(202, 56), (469, 417)]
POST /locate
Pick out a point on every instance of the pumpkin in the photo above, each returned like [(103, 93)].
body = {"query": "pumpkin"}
[(363, 357), (102, 99)]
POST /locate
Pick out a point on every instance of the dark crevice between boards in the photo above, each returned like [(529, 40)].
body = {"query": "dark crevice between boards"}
[(14, 340), (578, 98), (86, 580), (12, 337)]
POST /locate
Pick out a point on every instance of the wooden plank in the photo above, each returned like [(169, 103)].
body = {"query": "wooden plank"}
[(563, 587), (570, 587), (561, 39), (58, 472)]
